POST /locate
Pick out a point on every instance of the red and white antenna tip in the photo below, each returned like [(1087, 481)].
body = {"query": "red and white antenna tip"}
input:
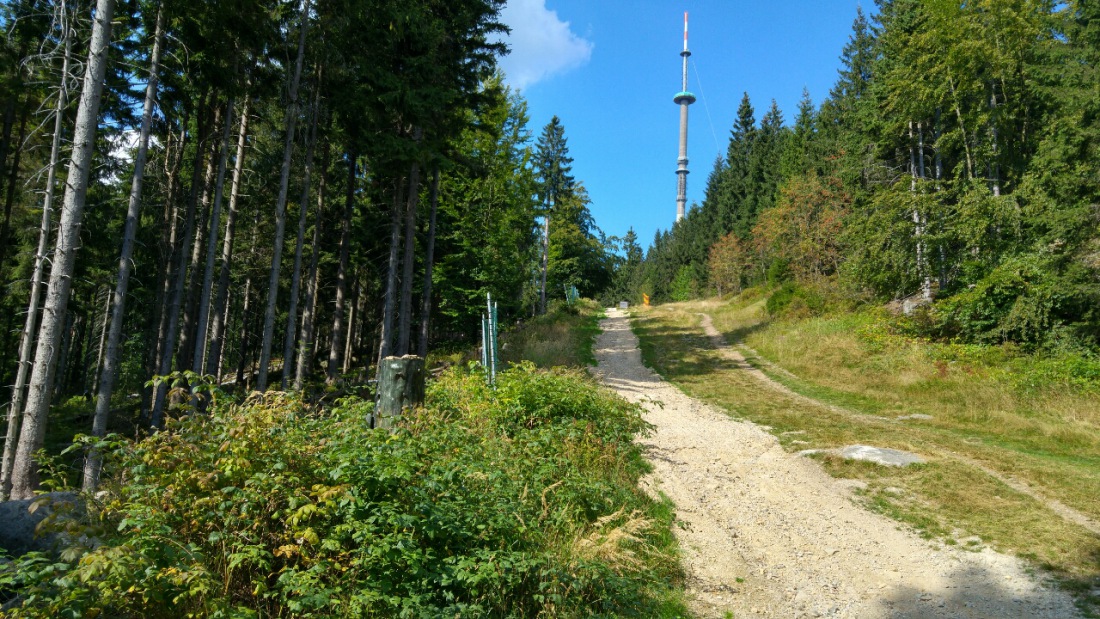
[(685, 30)]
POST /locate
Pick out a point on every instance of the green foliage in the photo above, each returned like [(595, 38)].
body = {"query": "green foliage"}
[(1022, 300), (792, 299), (685, 287), (518, 502)]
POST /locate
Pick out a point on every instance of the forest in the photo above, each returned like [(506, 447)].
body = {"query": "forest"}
[(952, 167), (219, 218), (275, 194)]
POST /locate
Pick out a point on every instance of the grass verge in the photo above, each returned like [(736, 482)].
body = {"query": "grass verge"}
[(977, 409), (563, 337)]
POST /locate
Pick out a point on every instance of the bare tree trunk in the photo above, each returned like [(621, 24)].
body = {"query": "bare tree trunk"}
[(545, 260), (27, 338), (305, 346), (102, 332), (920, 150), (429, 261), (94, 462), (247, 303), (24, 471), (169, 239), (336, 342), (404, 324), (296, 275), (221, 312), (918, 223), (185, 353), (962, 128), (353, 315), (179, 274), (280, 205), (390, 299), (994, 164), (198, 363)]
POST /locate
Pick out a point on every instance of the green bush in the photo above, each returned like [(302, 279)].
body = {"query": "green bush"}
[(796, 300), (1024, 300), (519, 502)]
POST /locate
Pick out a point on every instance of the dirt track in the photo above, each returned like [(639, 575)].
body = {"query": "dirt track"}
[(769, 534)]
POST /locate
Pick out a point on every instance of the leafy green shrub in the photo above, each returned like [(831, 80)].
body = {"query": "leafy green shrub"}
[(1024, 301), (520, 502), (796, 300)]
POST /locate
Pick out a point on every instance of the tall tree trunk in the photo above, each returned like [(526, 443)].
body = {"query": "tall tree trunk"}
[(33, 432), (94, 462), (994, 163), (389, 303), (280, 205), (296, 275), (920, 150), (27, 338), (404, 325), (305, 346), (185, 353), (918, 224), (962, 128), (169, 241), (178, 276), (336, 343), (353, 315), (429, 261), (246, 305), (198, 363), (102, 332), (221, 312), (545, 259), (937, 170)]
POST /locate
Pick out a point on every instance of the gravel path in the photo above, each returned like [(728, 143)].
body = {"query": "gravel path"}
[(768, 534)]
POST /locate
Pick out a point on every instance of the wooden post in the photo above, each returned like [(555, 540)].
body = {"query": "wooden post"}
[(400, 388)]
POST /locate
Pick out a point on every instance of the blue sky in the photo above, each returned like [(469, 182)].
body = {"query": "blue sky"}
[(609, 70)]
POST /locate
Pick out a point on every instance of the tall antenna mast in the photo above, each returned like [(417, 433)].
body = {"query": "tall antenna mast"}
[(683, 99)]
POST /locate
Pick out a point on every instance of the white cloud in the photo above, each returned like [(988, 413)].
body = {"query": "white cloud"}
[(542, 45)]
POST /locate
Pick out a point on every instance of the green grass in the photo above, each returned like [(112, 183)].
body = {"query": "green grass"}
[(563, 337), (986, 410)]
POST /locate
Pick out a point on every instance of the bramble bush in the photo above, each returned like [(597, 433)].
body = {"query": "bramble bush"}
[(518, 502)]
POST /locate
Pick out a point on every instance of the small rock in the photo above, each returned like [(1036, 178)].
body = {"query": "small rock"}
[(880, 455)]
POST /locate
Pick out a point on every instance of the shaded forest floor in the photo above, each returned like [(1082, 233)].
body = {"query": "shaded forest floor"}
[(1011, 444)]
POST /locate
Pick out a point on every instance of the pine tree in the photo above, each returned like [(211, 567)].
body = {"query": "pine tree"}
[(553, 165)]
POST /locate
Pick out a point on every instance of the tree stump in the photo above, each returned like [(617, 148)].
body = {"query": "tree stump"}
[(400, 388)]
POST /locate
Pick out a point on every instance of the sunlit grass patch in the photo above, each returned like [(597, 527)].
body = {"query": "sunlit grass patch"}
[(563, 337)]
